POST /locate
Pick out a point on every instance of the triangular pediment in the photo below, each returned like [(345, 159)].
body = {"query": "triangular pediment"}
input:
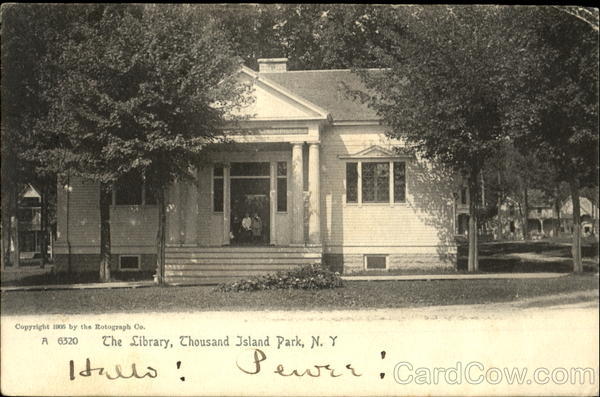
[(374, 152), (270, 101), (31, 192)]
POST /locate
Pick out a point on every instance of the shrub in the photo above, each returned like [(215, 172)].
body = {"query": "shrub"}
[(306, 277)]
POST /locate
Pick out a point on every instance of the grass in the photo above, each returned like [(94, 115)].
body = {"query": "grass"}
[(48, 278), (354, 295)]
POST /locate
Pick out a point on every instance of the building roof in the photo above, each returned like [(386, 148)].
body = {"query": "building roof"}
[(537, 198), (328, 89)]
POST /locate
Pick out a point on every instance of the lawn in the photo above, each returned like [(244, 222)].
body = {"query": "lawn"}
[(495, 257), (354, 295)]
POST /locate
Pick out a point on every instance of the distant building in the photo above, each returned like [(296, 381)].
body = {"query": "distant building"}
[(29, 215), (543, 219), (589, 217)]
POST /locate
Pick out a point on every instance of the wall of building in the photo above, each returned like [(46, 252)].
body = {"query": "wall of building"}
[(417, 233), (133, 227)]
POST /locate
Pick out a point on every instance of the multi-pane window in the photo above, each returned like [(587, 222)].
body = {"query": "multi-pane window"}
[(281, 186), (131, 190), (374, 180), (352, 182), (375, 262), (128, 190), (129, 262), (399, 182), (218, 181), (463, 195), (250, 169)]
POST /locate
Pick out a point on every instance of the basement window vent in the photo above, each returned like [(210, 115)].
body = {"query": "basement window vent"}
[(375, 262), (129, 262)]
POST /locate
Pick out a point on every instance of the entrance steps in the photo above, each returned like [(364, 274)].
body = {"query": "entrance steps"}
[(214, 265)]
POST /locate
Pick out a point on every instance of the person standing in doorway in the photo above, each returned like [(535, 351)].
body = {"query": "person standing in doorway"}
[(247, 228), (257, 228)]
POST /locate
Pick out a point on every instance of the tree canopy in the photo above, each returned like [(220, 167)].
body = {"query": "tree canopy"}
[(122, 90)]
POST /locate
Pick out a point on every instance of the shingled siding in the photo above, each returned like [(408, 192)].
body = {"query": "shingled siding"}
[(133, 228), (418, 233)]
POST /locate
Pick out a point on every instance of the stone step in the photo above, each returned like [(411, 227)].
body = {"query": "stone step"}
[(239, 249), (239, 261), (218, 273), (232, 267), (244, 255), (198, 280)]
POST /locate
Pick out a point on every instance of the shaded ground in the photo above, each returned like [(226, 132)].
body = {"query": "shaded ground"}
[(354, 295), (529, 256), (37, 276), (495, 257)]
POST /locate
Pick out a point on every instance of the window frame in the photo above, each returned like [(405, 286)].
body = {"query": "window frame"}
[(287, 179), (391, 179), (139, 261), (143, 201), (365, 262), (212, 189)]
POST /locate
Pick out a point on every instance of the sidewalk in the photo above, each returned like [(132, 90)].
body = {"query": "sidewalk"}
[(111, 285), (408, 277), (426, 277)]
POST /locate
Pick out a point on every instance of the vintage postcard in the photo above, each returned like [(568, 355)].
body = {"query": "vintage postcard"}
[(307, 199)]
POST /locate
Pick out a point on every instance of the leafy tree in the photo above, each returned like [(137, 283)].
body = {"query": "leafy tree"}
[(24, 44), (512, 173), (311, 36), (559, 104), (445, 89), (137, 90), (251, 30)]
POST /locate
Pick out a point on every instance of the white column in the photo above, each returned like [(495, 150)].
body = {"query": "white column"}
[(273, 203), (191, 211), (297, 192), (179, 187), (226, 205), (172, 215), (391, 185), (314, 187), (359, 184)]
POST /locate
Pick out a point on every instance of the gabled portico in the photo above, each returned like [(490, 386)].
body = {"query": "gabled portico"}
[(274, 160)]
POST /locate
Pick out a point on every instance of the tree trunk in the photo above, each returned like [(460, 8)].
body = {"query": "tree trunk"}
[(557, 212), (525, 215), (8, 215), (473, 260), (105, 202), (500, 234), (161, 236), (67, 234), (15, 249), (8, 186), (576, 247), (44, 221)]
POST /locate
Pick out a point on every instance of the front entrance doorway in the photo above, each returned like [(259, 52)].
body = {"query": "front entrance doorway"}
[(250, 203)]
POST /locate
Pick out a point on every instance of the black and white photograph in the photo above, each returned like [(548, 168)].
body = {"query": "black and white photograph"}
[(299, 199)]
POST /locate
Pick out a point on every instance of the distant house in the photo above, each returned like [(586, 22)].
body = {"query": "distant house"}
[(543, 218), (589, 217), (317, 169), (30, 230)]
